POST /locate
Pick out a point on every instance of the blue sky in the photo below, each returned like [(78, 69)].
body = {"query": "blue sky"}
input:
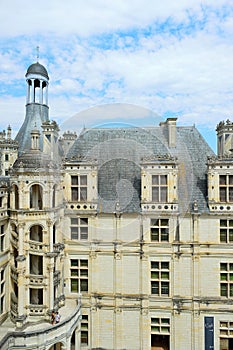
[(173, 58)]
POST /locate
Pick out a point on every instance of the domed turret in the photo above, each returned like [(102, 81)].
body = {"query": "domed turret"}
[(37, 110), (37, 68)]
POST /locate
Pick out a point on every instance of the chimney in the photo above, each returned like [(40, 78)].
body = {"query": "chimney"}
[(170, 125)]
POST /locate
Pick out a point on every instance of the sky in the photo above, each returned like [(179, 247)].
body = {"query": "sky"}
[(164, 58)]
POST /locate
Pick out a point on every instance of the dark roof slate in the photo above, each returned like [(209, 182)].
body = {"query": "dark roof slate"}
[(119, 152)]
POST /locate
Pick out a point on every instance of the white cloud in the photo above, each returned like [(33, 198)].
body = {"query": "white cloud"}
[(170, 56)]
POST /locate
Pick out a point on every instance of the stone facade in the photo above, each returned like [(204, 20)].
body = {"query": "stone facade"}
[(127, 232)]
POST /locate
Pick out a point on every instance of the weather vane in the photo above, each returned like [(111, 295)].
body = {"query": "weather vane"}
[(38, 53)]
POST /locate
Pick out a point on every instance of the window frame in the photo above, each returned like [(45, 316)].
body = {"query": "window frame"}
[(159, 230), (160, 278), (79, 276), (79, 188), (226, 279), (159, 188), (226, 231), (79, 231), (226, 188)]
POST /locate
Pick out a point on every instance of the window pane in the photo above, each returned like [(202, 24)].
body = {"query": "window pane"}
[(165, 275), (84, 263), (223, 267), (74, 262), (223, 276), (164, 234), (74, 180), (155, 194), (154, 264), (154, 222), (74, 232), (83, 180), (84, 272), (223, 223), (230, 194), (74, 221), (155, 320), (154, 274), (155, 234), (74, 273), (163, 179), (155, 180), (230, 235), (84, 337), (84, 285), (83, 232), (83, 193), (164, 222), (165, 288), (165, 265), (230, 178), (74, 194), (223, 235), (223, 195), (155, 288), (83, 221), (74, 285), (222, 180), (223, 290), (163, 194)]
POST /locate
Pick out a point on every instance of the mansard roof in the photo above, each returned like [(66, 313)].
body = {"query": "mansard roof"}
[(120, 151)]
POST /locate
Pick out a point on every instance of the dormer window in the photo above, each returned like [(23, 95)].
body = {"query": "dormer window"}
[(79, 188), (226, 188), (159, 188)]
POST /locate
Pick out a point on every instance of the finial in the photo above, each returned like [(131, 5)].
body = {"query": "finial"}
[(38, 53)]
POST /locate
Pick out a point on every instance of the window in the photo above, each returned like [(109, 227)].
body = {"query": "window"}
[(2, 290), (226, 335), (6, 157), (2, 238), (226, 279), (36, 296), (160, 325), (36, 233), (159, 188), (79, 188), (84, 330), (159, 230), (160, 278), (226, 188), (79, 275), (36, 196), (36, 264), (79, 228), (160, 333), (226, 231)]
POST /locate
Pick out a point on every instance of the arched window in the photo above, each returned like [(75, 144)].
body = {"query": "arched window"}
[(36, 197), (54, 197), (15, 197), (36, 233)]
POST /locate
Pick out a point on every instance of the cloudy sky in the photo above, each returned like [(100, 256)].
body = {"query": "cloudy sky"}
[(173, 58)]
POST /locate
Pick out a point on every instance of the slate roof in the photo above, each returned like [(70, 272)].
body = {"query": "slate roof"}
[(119, 152), (37, 68)]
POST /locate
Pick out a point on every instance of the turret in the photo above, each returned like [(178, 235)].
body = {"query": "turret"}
[(37, 110), (225, 138)]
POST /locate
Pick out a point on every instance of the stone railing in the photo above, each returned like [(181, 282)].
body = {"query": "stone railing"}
[(45, 335)]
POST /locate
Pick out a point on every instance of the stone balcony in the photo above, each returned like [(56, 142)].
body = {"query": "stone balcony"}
[(44, 335)]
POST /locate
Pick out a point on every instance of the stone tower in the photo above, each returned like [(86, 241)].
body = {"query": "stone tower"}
[(36, 209), (37, 109)]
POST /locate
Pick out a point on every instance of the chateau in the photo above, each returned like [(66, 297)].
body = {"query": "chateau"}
[(126, 232)]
